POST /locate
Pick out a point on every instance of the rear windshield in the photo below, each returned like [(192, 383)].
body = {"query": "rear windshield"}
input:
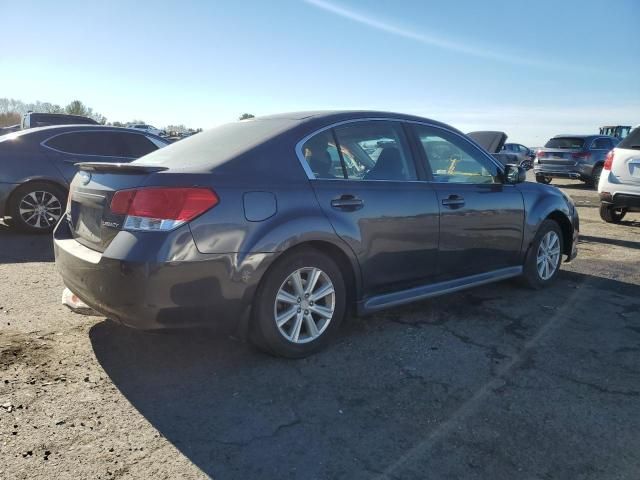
[(565, 142), (213, 147), (632, 140)]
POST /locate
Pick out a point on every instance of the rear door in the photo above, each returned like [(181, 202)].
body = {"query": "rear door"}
[(481, 219), (365, 179)]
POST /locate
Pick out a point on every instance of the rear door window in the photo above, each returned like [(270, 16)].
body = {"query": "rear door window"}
[(104, 144), (137, 145), (367, 150)]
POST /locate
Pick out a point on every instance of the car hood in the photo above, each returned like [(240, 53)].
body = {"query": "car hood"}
[(492, 142)]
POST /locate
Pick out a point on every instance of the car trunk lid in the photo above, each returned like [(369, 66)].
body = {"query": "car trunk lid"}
[(88, 213)]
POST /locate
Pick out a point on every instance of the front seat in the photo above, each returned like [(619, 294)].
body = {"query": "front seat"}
[(388, 167), (321, 164)]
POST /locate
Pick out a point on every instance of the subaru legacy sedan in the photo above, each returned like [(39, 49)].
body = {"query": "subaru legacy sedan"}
[(279, 226)]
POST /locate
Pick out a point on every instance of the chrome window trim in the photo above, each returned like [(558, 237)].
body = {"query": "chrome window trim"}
[(311, 176), (44, 143)]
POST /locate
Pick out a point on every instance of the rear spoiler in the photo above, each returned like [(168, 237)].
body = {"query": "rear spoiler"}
[(119, 167)]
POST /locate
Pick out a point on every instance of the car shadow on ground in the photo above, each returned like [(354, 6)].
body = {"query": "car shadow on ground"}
[(351, 411), (610, 241), (19, 247)]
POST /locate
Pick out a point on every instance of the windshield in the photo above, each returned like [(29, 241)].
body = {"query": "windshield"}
[(565, 143)]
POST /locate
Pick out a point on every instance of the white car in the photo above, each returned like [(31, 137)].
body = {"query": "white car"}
[(146, 128), (619, 185)]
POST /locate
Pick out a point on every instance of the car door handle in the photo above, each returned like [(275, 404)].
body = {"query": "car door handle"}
[(453, 201), (347, 202)]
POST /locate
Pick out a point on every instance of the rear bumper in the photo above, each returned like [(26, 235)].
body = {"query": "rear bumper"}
[(576, 172), (621, 200), (198, 290)]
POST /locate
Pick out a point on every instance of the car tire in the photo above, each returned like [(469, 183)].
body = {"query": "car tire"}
[(611, 214), (304, 327), (546, 245), (595, 176), (37, 207), (543, 179)]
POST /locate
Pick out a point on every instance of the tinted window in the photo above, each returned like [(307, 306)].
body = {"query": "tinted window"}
[(566, 142), (632, 140), (112, 144), (137, 145), (452, 159), (375, 150)]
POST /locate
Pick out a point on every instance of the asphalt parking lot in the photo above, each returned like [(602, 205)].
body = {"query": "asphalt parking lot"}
[(496, 382)]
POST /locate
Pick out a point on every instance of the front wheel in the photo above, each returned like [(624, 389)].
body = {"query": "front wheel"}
[(543, 179), (300, 304), (542, 263), (36, 207), (611, 214)]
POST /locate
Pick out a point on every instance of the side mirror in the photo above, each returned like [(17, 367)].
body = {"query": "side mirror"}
[(514, 174)]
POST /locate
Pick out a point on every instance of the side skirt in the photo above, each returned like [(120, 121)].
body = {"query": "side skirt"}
[(388, 300)]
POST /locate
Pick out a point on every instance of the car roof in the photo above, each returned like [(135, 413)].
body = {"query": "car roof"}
[(571, 135), (41, 131)]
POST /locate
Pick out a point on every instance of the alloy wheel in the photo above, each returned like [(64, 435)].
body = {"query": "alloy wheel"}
[(40, 209), (548, 257), (304, 305)]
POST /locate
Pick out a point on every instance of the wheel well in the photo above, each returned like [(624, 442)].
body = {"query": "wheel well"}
[(7, 205), (341, 259), (566, 228)]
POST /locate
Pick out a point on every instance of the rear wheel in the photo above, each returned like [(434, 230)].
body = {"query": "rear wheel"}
[(36, 207), (595, 177), (543, 179), (612, 214), (542, 263), (299, 305)]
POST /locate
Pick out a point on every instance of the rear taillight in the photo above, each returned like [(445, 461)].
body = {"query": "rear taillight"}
[(581, 155), (539, 154), (160, 208), (609, 160)]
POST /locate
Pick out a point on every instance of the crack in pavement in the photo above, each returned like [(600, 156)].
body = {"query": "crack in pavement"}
[(273, 434)]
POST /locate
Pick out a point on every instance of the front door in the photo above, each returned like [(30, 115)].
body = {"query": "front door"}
[(481, 219)]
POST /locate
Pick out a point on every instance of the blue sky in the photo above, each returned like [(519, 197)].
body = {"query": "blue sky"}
[(532, 69)]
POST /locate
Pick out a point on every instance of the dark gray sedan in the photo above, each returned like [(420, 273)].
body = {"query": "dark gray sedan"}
[(37, 165), (279, 226)]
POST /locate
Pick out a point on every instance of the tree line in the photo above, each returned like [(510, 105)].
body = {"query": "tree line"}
[(12, 111)]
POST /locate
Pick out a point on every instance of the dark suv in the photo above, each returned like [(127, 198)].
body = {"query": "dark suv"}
[(579, 157), (280, 225)]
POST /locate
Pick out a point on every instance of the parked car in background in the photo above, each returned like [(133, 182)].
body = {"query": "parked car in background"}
[(525, 154), (279, 225), (494, 143), (37, 165), (619, 186), (34, 119), (578, 157), (147, 128), (9, 129)]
